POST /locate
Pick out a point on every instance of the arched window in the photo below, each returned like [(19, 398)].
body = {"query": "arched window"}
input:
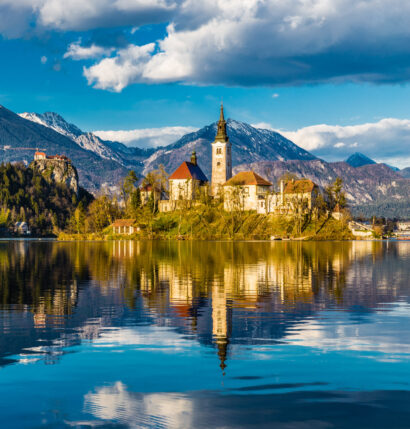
[(218, 150)]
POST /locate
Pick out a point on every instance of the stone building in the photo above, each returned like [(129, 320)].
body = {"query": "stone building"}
[(147, 191), (39, 155), (293, 196), (185, 186), (245, 191), (221, 157)]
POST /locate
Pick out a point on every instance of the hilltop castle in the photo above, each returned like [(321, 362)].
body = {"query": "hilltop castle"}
[(187, 185)]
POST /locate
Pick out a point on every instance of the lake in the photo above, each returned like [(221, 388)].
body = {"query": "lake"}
[(129, 334)]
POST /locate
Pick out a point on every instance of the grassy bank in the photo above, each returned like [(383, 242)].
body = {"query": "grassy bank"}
[(213, 223)]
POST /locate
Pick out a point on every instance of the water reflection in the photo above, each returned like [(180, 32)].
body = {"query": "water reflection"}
[(207, 334), (55, 295)]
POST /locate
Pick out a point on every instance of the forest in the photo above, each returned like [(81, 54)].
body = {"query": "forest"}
[(27, 196)]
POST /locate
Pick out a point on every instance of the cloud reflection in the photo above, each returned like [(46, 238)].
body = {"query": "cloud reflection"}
[(116, 403)]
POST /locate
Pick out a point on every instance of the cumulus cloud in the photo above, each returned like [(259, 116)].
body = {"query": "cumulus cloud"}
[(236, 42), (118, 72), (387, 140), (146, 137), (18, 18), (78, 52), (279, 43)]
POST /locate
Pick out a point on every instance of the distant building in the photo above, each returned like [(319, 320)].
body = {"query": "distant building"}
[(293, 196), (42, 155), (359, 229), (403, 226), (221, 157), (245, 191), (59, 158), (39, 155), (337, 213), (125, 226), (148, 191), (186, 184), (21, 228)]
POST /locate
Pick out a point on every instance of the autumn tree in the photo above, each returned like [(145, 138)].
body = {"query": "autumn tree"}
[(335, 195)]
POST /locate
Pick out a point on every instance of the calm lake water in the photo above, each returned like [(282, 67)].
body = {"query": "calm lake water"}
[(205, 334)]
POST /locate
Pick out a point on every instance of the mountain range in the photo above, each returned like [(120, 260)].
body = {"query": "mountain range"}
[(249, 144), (102, 163)]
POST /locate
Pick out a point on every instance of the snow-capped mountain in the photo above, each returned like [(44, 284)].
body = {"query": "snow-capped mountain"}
[(87, 141), (249, 144), (19, 138)]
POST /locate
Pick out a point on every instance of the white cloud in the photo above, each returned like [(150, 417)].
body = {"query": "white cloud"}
[(263, 126), (118, 72), (275, 95), (43, 59), (387, 140), (235, 42), (19, 16), (269, 42), (146, 137), (78, 52)]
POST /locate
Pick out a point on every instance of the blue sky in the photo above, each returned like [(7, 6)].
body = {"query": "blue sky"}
[(292, 66)]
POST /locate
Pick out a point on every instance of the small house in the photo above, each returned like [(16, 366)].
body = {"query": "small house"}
[(124, 226)]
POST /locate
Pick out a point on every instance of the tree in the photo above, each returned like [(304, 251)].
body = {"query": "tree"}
[(335, 195), (128, 186), (4, 216), (101, 213), (158, 180)]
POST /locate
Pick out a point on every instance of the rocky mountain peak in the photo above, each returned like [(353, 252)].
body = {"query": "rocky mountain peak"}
[(359, 160)]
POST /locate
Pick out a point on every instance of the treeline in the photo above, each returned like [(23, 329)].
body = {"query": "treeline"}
[(26, 196), (388, 209)]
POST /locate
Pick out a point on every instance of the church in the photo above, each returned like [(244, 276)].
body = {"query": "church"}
[(188, 185)]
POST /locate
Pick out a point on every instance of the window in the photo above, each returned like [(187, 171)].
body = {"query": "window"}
[(219, 151), (218, 164)]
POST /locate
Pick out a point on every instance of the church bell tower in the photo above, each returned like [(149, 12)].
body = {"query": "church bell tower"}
[(221, 156)]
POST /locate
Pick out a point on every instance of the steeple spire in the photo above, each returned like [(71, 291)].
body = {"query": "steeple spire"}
[(221, 134), (193, 158)]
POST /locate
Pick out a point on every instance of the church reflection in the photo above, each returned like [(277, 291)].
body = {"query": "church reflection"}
[(219, 293)]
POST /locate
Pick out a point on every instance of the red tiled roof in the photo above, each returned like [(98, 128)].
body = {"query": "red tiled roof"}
[(124, 222), (299, 186), (40, 153), (187, 170), (147, 187), (247, 178)]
